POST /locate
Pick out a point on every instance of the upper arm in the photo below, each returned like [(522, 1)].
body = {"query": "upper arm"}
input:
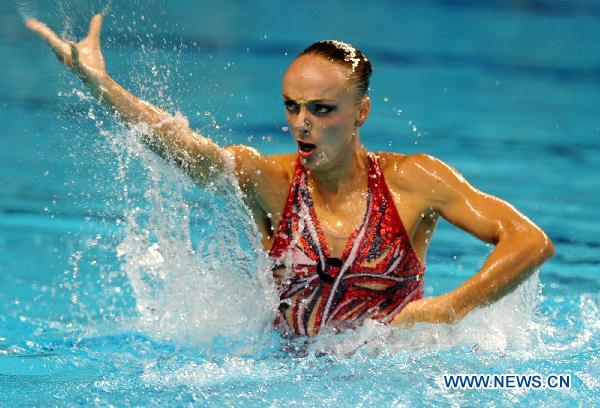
[(262, 179), (447, 192), (203, 160)]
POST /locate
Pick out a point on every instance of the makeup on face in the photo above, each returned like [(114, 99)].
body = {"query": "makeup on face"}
[(320, 109)]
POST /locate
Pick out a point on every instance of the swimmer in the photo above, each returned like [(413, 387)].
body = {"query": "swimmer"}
[(347, 229)]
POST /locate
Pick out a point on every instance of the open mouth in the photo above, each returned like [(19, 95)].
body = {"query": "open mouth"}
[(306, 149)]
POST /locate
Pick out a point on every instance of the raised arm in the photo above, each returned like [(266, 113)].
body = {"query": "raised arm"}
[(520, 245), (169, 136)]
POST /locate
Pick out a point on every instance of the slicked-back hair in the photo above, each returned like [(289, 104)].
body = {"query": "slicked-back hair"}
[(348, 56)]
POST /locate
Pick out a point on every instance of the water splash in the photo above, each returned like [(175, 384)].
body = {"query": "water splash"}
[(193, 258)]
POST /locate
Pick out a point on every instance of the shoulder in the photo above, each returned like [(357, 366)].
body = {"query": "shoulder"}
[(264, 179), (423, 174), (392, 159), (411, 168), (251, 165), (287, 163)]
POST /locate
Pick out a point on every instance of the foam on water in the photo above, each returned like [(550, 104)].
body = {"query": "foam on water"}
[(374, 363)]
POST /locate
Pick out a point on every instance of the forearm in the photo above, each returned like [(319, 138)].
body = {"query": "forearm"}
[(169, 136), (514, 258), (129, 107)]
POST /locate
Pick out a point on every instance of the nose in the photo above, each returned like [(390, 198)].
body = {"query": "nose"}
[(300, 118), (301, 122)]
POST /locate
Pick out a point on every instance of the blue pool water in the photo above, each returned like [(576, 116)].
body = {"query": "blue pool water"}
[(123, 284)]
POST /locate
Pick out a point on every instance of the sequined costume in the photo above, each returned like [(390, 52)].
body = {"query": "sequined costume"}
[(376, 277)]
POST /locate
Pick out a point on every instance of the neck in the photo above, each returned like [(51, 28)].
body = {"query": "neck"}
[(348, 175)]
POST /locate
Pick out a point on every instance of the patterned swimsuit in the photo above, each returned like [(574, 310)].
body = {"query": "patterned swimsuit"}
[(376, 277)]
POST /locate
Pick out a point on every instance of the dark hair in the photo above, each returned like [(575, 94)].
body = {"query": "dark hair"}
[(348, 56)]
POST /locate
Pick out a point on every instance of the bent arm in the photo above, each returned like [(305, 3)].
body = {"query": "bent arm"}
[(520, 245), (520, 248)]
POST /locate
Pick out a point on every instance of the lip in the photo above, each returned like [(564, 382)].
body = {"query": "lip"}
[(303, 149)]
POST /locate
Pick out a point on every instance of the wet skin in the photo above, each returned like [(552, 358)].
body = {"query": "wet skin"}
[(325, 114)]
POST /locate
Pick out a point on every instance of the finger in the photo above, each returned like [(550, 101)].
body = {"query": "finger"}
[(95, 28), (41, 29)]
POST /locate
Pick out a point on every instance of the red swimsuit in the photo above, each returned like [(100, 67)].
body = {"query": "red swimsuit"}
[(333, 290)]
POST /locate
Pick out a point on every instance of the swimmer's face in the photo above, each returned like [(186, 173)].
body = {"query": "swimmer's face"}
[(322, 110)]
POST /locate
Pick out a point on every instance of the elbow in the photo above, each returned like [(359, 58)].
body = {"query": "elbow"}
[(547, 247), (532, 240), (541, 245)]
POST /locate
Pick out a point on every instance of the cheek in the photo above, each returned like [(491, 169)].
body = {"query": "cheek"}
[(340, 127), (338, 123)]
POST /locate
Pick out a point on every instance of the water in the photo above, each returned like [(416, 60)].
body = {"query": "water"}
[(122, 283)]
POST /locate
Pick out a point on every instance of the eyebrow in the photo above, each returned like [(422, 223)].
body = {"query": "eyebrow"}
[(309, 102)]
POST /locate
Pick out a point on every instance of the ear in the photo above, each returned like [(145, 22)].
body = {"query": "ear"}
[(363, 111)]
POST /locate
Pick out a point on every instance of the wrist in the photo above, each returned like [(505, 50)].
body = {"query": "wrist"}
[(99, 85), (456, 303), (93, 79)]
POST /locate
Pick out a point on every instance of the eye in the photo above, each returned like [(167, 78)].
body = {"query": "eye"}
[(322, 109), (291, 106)]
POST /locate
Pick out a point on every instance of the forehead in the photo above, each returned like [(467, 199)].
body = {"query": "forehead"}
[(312, 77)]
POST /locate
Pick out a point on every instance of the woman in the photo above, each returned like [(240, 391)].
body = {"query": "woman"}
[(347, 229)]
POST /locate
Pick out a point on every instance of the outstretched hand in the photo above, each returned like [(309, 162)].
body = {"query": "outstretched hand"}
[(84, 58)]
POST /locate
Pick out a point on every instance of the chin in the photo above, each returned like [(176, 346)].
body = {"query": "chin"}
[(319, 161)]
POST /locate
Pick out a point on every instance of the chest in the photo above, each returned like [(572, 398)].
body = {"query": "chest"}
[(338, 223)]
